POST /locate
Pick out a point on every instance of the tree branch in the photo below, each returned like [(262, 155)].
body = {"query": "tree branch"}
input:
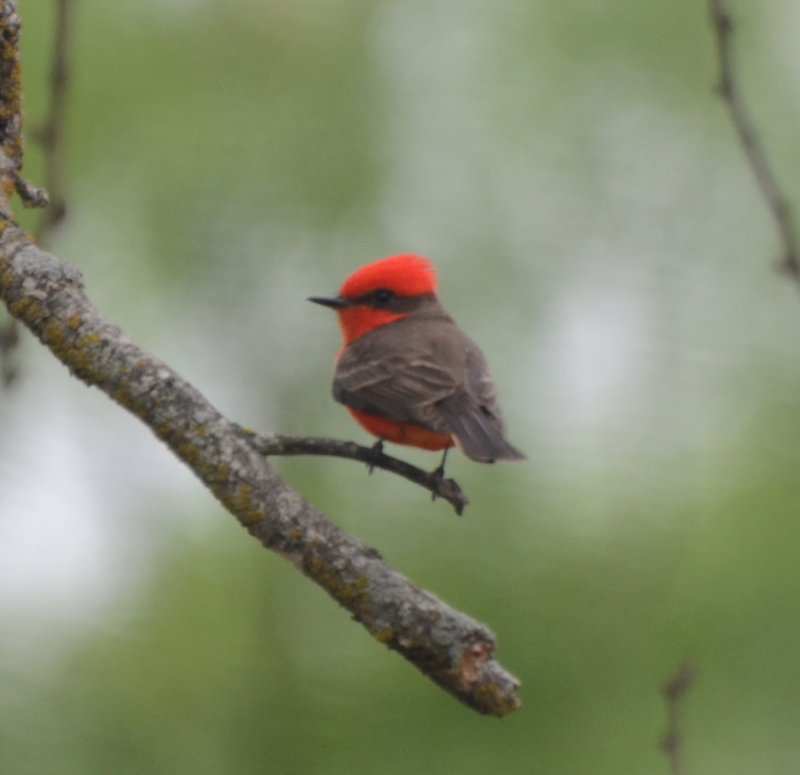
[(723, 26), (51, 133), (51, 137), (674, 692), (47, 296), (9, 344), (10, 162), (277, 444)]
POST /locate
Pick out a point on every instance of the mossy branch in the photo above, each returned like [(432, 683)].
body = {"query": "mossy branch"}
[(47, 296)]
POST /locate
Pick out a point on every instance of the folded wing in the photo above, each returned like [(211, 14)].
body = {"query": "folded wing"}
[(442, 384)]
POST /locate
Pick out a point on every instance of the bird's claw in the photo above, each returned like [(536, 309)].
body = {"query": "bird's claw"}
[(377, 451)]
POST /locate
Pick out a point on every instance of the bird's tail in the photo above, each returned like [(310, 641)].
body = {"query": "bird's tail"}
[(478, 433)]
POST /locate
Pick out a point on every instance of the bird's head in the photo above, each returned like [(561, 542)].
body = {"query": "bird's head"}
[(381, 293)]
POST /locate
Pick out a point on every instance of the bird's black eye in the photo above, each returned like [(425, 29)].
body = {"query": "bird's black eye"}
[(382, 296)]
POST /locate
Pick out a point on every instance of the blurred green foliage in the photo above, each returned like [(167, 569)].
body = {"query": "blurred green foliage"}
[(569, 168)]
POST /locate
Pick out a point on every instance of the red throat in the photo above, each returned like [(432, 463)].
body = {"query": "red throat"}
[(357, 321)]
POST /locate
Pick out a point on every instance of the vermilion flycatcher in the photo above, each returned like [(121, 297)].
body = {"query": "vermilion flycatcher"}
[(406, 372)]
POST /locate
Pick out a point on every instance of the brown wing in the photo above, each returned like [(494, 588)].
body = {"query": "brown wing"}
[(397, 372), (426, 372)]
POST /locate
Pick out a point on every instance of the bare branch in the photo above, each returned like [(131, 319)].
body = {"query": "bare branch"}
[(674, 692), (51, 137), (9, 342), (10, 101), (51, 134), (10, 159), (276, 444), (722, 23), (47, 296), (30, 195), (11, 115)]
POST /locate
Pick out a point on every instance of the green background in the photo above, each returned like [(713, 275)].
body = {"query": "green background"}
[(570, 170)]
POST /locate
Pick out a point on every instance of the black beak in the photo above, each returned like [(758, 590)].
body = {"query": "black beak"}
[(334, 302)]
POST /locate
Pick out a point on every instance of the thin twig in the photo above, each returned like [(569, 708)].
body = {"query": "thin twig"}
[(277, 444), (723, 25), (30, 195), (9, 343), (51, 133), (674, 692)]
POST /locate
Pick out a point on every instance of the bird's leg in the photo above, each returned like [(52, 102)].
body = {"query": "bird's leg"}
[(438, 472), (377, 451)]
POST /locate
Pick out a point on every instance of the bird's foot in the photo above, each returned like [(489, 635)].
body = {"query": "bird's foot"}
[(377, 451)]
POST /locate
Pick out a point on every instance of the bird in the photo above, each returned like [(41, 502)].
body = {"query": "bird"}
[(406, 372)]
